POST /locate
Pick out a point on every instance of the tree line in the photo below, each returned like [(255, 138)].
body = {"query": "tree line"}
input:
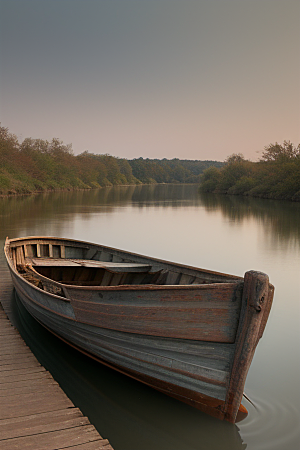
[(36, 165), (276, 175)]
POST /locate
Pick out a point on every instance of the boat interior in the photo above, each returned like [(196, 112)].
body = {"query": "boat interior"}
[(72, 263)]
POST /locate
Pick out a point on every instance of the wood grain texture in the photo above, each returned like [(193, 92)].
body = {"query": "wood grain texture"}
[(188, 332), (207, 314), (256, 304), (35, 414), (113, 266), (83, 250), (194, 364)]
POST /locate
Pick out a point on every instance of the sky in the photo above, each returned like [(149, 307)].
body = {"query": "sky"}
[(188, 79)]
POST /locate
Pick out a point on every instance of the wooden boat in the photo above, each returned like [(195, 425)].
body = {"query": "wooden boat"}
[(187, 332)]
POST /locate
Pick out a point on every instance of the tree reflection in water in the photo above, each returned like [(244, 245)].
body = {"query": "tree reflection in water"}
[(22, 213)]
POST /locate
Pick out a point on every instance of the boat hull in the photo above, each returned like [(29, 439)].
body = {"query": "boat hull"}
[(185, 341)]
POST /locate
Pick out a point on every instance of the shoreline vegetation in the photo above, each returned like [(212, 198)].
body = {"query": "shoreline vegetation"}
[(275, 176), (36, 166)]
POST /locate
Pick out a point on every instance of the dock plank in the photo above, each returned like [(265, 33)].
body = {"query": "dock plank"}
[(96, 445), (40, 423), (12, 378), (34, 412), (53, 440), (32, 406), (9, 358), (19, 365), (25, 389)]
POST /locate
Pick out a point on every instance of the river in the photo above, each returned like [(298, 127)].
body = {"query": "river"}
[(228, 234)]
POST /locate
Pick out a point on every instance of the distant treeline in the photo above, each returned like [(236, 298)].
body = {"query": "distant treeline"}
[(276, 175), (170, 170), (36, 165)]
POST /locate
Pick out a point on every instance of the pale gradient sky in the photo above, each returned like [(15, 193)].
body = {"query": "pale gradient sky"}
[(197, 79)]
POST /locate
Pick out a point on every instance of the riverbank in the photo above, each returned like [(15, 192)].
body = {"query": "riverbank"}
[(36, 165), (52, 191), (276, 176)]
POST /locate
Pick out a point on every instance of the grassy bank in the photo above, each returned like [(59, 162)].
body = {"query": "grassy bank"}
[(36, 165)]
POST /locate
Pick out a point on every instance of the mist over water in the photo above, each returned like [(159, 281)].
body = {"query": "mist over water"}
[(174, 222)]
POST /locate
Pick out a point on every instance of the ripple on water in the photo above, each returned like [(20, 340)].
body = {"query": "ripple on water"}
[(271, 424)]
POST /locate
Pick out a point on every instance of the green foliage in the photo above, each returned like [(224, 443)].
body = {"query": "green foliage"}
[(4, 182), (235, 168), (242, 186), (280, 152), (169, 171), (40, 165), (276, 175), (210, 179), (235, 158)]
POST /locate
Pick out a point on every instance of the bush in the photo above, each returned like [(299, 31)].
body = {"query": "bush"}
[(242, 186), (210, 179)]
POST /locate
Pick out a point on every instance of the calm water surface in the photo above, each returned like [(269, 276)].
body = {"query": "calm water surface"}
[(222, 233)]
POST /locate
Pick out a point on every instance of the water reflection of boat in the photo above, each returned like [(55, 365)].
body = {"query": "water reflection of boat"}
[(187, 332)]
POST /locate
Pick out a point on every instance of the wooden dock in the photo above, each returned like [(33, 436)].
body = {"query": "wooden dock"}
[(35, 413)]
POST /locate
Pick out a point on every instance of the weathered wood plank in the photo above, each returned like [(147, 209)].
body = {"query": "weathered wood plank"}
[(116, 279), (105, 256), (33, 427), (207, 314), (108, 253), (7, 332), (12, 378), (52, 392), (95, 445), (13, 338), (192, 369), (62, 251), (5, 329), (13, 345), (12, 366), (217, 353), (15, 409), (113, 266), (257, 299), (34, 412), (172, 278), (20, 255), (11, 350), (21, 372), (40, 419), (53, 440), (24, 387), (13, 357)]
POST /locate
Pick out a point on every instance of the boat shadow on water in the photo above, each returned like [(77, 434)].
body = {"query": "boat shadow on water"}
[(128, 413)]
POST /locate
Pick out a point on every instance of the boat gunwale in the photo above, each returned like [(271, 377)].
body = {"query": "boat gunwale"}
[(153, 287), (233, 280), (128, 287), (86, 244)]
